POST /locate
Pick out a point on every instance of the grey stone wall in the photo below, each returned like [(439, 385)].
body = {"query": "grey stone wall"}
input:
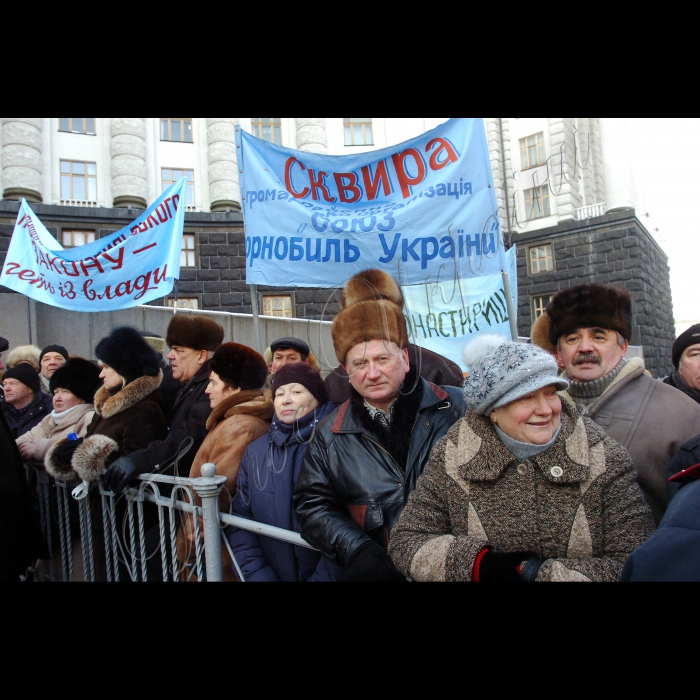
[(613, 249)]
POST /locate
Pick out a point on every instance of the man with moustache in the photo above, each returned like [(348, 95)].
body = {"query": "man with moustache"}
[(588, 328)]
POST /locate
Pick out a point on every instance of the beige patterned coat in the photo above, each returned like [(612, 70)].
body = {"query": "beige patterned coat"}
[(474, 492)]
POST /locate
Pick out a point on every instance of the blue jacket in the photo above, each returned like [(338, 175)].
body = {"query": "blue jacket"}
[(672, 553), (268, 473)]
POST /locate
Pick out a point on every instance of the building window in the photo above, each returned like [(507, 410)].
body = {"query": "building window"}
[(541, 258), (280, 306), (358, 132), (176, 130), (184, 302), (169, 176), (267, 128), (536, 202), (539, 304), (188, 254), (73, 239), (78, 180), (532, 151), (77, 125)]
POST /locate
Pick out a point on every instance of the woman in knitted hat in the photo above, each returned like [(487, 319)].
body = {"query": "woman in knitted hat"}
[(522, 488), (267, 477), (240, 414), (73, 388), (128, 409)]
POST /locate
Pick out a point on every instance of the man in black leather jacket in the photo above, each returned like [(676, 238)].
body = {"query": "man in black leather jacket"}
[(364, 460)]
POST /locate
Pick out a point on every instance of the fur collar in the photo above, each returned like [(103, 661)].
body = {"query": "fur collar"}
[(251, 402), (108, 406), (397, 438)]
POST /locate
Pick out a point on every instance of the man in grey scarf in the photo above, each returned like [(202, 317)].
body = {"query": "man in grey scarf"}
[(588, 328)]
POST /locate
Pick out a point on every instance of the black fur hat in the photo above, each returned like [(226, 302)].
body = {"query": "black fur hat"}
[(81, 377), (239, 366), (588, 306), (126, 352), (196, 332)]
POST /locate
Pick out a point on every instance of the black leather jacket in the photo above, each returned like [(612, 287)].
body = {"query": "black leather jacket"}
[(351, 489)]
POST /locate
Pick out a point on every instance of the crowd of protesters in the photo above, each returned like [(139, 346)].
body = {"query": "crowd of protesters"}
[(554, 460)]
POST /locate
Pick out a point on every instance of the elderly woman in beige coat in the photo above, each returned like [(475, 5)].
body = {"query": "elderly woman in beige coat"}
[(240, 414), (522, 488), (73, 388)]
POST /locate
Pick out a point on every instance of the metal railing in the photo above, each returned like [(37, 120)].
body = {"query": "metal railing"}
[(590, 211), (135, 537)]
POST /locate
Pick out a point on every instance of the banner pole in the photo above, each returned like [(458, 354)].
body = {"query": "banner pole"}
[(509, 306), (256, 319)]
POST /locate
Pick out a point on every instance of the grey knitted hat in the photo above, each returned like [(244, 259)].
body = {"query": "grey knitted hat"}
[(501, 371)]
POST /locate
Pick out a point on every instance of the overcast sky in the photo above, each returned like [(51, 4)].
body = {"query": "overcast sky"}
[(665, 158)]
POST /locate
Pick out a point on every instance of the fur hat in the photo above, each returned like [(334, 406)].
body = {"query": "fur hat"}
[(54, 348), (196, 332), (24, 353), (239, 366), (81, 377), (371, 309), (587, 306), (128, 354), (689, 337), (157, 342), (25, 373), (301, 373), (501, 371)]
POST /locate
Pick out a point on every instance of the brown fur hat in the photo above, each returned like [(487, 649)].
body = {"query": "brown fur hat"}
[(371, 309), (196, 332), (239, 366), (589, 305)]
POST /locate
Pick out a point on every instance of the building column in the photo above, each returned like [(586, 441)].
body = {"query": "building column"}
[(617, 167), (311, 135), (224, 187), (21, 159), (128, 152), (564, 175), (501, 167)]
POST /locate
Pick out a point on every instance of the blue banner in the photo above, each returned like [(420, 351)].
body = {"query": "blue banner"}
[(444, 316), (135, 265), (424, 208)]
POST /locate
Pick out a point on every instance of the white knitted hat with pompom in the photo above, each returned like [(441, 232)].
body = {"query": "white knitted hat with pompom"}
[(501, 371)]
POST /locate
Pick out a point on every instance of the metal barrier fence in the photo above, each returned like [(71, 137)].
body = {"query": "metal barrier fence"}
[(134, 537)]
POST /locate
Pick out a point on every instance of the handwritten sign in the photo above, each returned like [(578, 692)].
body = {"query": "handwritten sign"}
[(444, 316), (135, 265)]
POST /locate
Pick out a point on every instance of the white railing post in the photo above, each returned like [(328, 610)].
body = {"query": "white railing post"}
[(208, 487)]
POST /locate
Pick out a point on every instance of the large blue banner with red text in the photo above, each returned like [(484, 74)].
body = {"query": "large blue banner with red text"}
[(419, 210), (132, 266)]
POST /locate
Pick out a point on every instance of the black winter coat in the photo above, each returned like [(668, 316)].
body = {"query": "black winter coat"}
[(350, 489), (21, 540), (41, 407), (188, 418)]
